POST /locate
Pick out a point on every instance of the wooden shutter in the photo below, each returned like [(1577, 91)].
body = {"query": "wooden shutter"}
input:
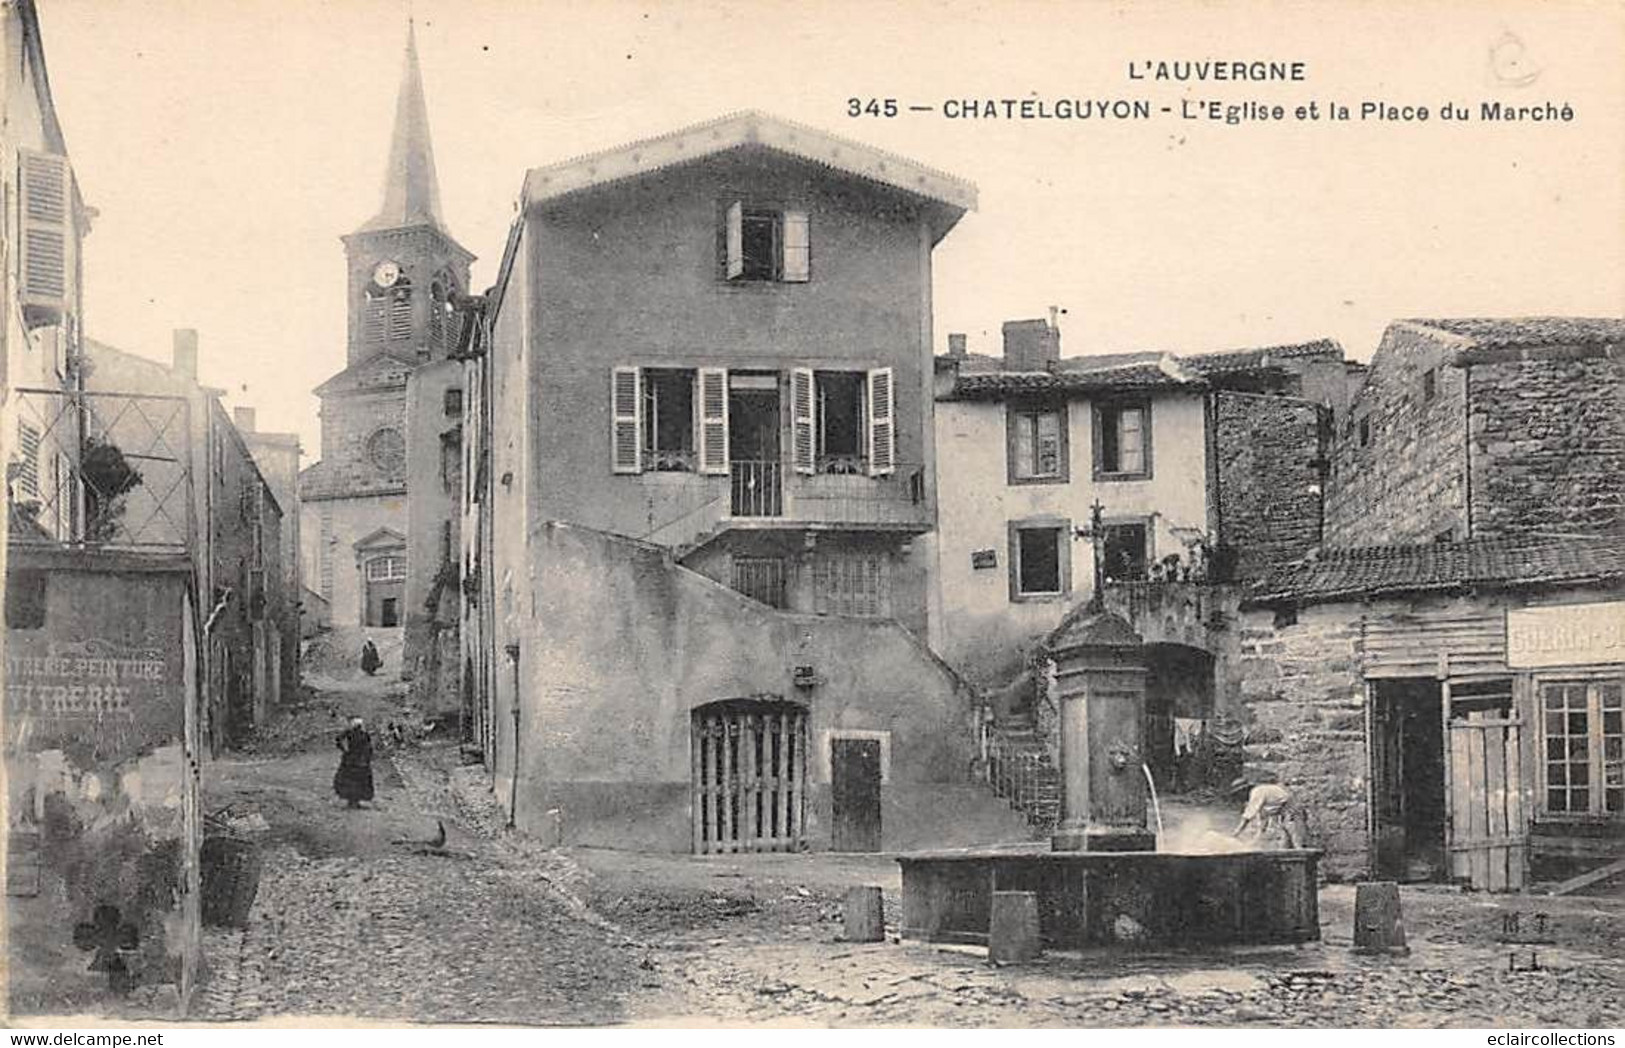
[(626, 424), (736, 240), (802, 424), (882, 424), (797, 262), (714, 420), (46, 194)]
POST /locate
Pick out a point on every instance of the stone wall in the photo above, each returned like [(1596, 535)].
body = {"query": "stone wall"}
[(1270, 453), (1406, 480), (1547, 444), (348, 423), (1303, 697)]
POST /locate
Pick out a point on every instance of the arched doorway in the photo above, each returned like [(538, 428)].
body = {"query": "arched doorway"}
[(749, 778), (1179, 706)]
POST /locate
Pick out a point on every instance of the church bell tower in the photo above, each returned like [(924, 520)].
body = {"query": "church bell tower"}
[(404, 267)]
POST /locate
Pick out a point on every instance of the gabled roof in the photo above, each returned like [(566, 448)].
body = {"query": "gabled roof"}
[(386, 369), (1528, 332), (1262, 356), (317, 482), (1371, 571), (751, 129), (382, 538)]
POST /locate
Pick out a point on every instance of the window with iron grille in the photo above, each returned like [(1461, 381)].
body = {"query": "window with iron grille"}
[(761, 579), (1584, 739), (852, 583)]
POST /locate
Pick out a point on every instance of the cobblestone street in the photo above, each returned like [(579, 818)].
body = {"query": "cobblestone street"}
[(357, 916)]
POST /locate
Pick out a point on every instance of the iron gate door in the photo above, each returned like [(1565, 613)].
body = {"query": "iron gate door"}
[(855, 786), (749, 777)]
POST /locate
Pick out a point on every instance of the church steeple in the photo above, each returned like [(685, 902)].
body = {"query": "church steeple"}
[(411, 190)]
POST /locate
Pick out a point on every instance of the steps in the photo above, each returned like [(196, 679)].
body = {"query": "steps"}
[(1020, 769)]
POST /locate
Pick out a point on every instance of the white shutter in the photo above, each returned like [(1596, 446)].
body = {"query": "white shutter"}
[(797, 262), (803, 422), (626, 422), (736, 240), (882, 424), (714, 420), (46, 198)]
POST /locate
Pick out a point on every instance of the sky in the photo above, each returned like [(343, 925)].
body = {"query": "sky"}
[(227, 145)]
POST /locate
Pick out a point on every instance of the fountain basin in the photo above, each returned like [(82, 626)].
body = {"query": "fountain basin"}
[(1125, 899)]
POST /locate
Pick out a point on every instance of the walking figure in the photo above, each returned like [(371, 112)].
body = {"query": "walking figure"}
[(370, 659), (353, 780)]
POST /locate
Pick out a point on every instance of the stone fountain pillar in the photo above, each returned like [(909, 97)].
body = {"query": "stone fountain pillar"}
[(1100, 675)]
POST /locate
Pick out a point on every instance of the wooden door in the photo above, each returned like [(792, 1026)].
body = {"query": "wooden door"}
[(1489, 829), (855, 786)]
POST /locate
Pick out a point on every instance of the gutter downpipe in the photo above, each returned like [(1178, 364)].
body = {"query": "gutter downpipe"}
[(513, 795)]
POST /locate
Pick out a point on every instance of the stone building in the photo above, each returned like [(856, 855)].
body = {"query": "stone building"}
[(249, 661), (434, 415), (277, 457), (1484, 428), (403, 271), (699, 527), (1447, 711), (1209, 463), (102, 738)]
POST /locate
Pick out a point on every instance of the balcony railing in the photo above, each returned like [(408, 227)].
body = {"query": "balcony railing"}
[(772, 491)]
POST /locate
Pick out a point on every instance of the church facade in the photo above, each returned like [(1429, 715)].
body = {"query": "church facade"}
[(404, 271)]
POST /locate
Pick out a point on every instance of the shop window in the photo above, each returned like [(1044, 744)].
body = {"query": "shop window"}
[(25, 599), (1123, 441), (1583, 738), (1036, 440), (1039, 562)]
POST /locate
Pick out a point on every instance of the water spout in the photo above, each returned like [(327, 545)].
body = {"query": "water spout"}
[(1156, 806)]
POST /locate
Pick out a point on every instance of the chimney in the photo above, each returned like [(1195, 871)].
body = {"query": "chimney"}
[(244, 419), (956, 346), (184, 360), (1030, 345)]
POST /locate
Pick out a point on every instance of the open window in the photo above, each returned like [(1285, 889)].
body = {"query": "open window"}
[(764, 244), (843, 422), (1123, 440), (1040, 560), (669, 420)]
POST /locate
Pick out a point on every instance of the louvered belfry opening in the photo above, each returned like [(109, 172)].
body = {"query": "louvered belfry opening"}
[(749, 776)]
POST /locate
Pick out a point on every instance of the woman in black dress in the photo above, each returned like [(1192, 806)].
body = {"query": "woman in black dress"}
[(353, 780)]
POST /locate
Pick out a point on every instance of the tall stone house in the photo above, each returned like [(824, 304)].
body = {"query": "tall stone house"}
[(249, 658), (102, 738), (1443, 682), (700, 502), (403, 272)]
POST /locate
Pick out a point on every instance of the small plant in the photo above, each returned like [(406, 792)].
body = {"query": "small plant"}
[(108, 477)]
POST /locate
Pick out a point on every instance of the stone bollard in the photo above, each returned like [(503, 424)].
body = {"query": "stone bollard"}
[(1012, 934), (1379, 927), (865, 915)]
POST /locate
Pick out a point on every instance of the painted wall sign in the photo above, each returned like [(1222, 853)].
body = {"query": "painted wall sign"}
[(90, 678), (1569, 635)]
